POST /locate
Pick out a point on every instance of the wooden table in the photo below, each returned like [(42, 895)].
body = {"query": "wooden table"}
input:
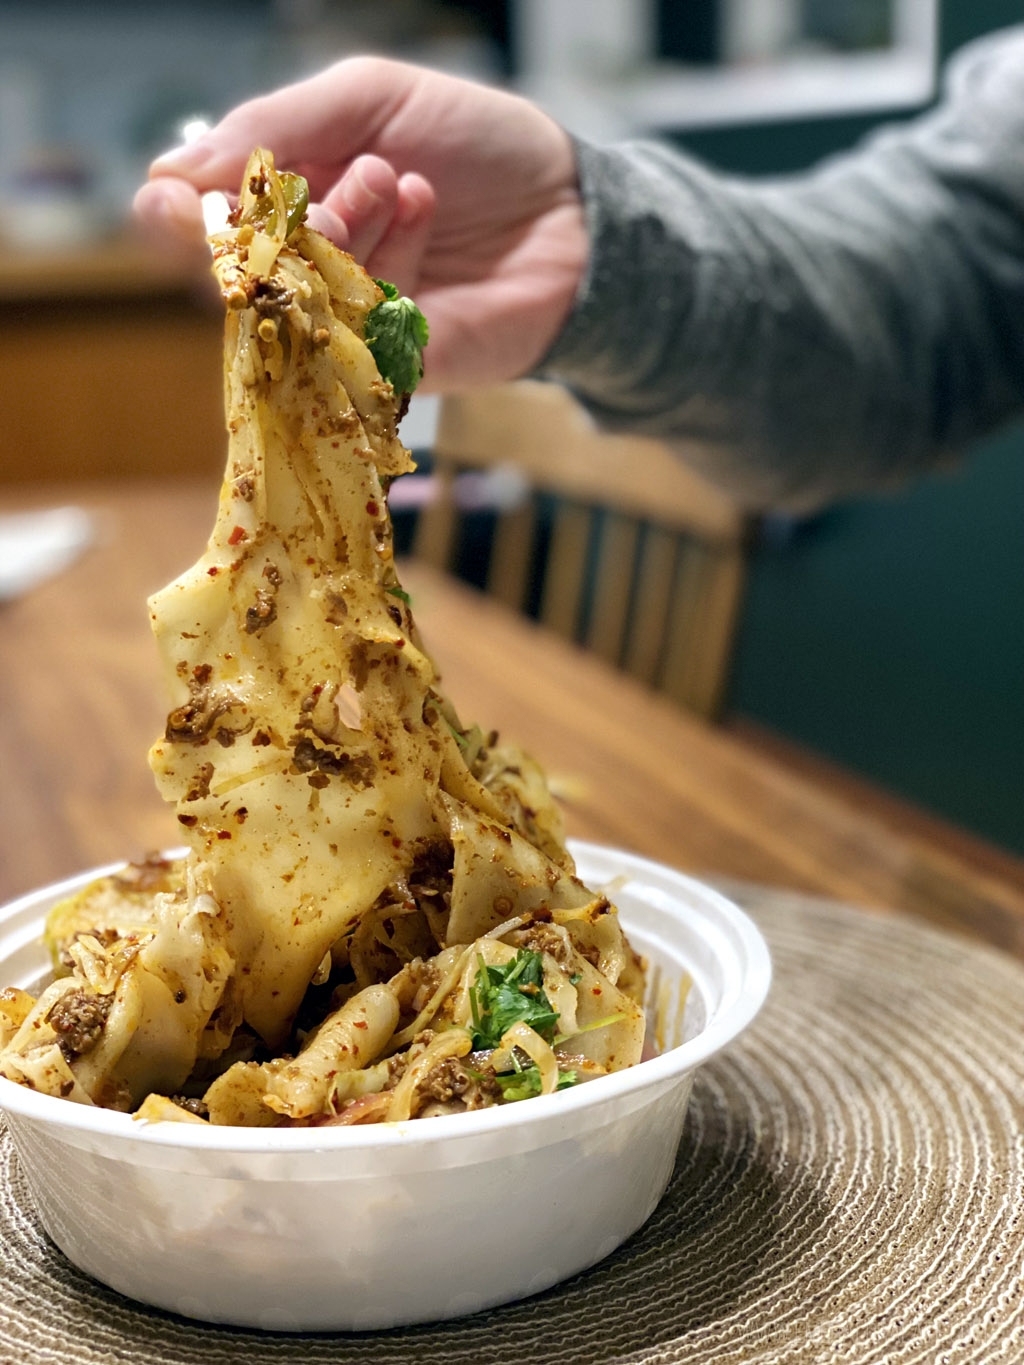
[(81, 699)]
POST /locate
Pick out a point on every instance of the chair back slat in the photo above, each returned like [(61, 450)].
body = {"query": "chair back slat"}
[(436, 532), (508, 574), (639, 559), (652, 596), (708, 600), (565, 573), (612, 590)]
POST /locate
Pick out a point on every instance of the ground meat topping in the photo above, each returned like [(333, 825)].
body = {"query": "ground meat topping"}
[(198, 717), (474, 1087), (542, 938), (358, 769), (192, 1105), (78, 1018), (271, 297), (261, 613)]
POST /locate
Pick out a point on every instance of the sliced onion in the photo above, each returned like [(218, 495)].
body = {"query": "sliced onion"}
[(528, 1040), (447, 984)]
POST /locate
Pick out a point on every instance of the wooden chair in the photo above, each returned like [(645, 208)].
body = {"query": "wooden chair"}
[(639, 559)]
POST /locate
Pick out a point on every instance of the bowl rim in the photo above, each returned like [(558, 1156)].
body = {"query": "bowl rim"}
[(652, 1075)]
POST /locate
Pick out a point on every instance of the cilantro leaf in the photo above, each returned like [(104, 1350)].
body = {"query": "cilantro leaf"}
[(396, 333), (523, 1082), (510, 994)]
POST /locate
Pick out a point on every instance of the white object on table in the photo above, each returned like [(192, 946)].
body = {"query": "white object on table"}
[(37, 545)]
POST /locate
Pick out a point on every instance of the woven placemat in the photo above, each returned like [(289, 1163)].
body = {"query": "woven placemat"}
[(850, 1189)]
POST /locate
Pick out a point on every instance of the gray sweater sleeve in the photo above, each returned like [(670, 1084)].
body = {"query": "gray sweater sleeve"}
[(827, 333)]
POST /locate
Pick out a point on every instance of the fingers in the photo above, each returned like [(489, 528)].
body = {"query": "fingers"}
[(399, 253), (171, 212), (321, 218), (388, 219), (383, 220), (365, 199), (314, 126)]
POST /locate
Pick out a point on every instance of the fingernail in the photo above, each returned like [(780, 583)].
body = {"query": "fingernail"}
[(362, 185), (185, 159)]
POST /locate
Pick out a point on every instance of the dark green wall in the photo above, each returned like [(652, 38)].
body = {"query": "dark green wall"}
[(888, 633), (963, 20)]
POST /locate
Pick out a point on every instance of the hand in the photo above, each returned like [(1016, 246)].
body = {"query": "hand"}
[(462, 195)]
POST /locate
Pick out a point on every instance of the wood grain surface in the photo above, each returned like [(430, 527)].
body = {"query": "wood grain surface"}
[(81, 700)]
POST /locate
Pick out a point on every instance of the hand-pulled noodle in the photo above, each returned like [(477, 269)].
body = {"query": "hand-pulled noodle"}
[(376, 917)]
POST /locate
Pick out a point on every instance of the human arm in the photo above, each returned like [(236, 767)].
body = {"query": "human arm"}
[(803, 338), (822, 334)]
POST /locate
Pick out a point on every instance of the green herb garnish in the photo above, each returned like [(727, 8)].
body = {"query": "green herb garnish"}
[(523, 1082), (512, 994), (260, 210), (457, 735), (396, 333), (401, 594)]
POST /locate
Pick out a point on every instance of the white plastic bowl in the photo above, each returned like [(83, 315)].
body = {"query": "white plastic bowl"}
[(353, 1228)]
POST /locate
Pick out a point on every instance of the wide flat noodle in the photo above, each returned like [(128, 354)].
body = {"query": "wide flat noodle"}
[(326, 789)]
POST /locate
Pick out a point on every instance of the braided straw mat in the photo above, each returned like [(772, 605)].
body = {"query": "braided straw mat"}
[(850, 1188)]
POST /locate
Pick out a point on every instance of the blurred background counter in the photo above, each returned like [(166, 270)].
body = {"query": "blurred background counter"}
[(110, 362)]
